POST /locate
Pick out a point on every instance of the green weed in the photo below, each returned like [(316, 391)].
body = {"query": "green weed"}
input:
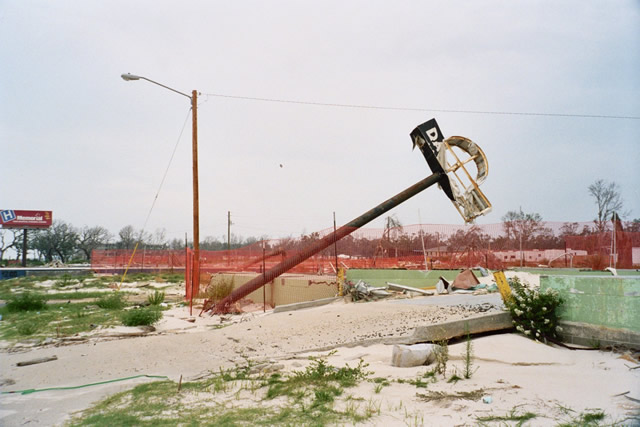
[(441, 395), (112, 301), (141, 317), (468, 356), (442, 357), (513, 415), (156, 298)]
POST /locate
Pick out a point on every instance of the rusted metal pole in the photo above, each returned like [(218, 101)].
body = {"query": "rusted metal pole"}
[(319, 245)]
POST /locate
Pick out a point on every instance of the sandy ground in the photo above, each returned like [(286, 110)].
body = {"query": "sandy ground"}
[(514, 371)]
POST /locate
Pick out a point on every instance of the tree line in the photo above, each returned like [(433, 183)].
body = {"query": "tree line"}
[(64, 242)]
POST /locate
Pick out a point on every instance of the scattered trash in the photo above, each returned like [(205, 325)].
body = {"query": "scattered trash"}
[(612, 270), (402, 288), (363, 291), (442, 286), (483, 271), (487, 399)]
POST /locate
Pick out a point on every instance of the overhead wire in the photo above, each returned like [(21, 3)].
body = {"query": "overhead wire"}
[(164, 176), (436, 110)]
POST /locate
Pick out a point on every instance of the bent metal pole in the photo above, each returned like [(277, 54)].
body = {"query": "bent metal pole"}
[(259, 281)]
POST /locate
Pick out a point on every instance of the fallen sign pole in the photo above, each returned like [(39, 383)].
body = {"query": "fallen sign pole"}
[(224, 305), (469, 201)]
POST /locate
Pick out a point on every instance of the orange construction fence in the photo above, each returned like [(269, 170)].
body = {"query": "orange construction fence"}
[(445, 246)]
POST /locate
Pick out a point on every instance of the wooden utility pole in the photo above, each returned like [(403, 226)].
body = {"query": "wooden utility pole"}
[(196, 201), (228, 231)]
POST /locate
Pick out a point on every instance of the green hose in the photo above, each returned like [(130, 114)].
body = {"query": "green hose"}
[(35, 390)]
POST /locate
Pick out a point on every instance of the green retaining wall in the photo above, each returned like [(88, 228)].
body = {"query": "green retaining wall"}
[(415, 278), (612, 302)]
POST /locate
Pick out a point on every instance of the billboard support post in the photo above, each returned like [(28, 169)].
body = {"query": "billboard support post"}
[(24, 248)]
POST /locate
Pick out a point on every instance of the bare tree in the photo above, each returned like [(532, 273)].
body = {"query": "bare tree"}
[(608, 200), (5, 242), (520, 226), (90, 238), (159, 238), (127, 236), (570, 229)]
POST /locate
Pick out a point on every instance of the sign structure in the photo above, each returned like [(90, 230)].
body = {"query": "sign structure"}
[(25, 219)]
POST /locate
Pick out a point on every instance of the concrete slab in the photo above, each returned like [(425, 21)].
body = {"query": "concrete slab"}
[(455, 299), (482, 323)]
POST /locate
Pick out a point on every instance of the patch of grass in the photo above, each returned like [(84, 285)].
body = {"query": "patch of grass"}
[(141, 317), (380, 384), (217, 400), (112, 301), (59, 320), (591, 417), (513, 415), (26, 301), (28, 327), (156, 298), (319, 375), (74, 295), (441, 395)]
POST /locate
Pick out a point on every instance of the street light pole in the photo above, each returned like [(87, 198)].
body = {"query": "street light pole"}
[(196, 197), (194, 151)]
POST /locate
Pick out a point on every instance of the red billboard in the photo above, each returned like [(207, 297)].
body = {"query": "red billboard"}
[(25, 219)]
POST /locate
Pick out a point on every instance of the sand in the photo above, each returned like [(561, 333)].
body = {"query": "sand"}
[(514, 371)]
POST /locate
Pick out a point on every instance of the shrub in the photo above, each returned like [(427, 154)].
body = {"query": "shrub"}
[(141, 317), (219, 288), (114, 301), (156, 298), (27, 302), (534, 313)]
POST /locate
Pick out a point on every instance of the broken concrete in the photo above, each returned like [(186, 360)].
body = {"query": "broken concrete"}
[(491, 322), (406, 356), (465, 280)]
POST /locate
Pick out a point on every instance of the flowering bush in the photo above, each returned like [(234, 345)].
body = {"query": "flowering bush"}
[(534, 312)]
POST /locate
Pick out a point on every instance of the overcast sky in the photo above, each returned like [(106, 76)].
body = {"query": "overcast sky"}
[(78, 140)]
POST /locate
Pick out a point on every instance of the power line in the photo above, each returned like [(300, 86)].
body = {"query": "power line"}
[(166, 171), (434, 110)]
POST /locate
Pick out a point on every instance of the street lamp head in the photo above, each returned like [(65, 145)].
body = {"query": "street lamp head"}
[(128, 77)]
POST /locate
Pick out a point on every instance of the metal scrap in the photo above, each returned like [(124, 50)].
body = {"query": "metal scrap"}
[(403, 288)]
